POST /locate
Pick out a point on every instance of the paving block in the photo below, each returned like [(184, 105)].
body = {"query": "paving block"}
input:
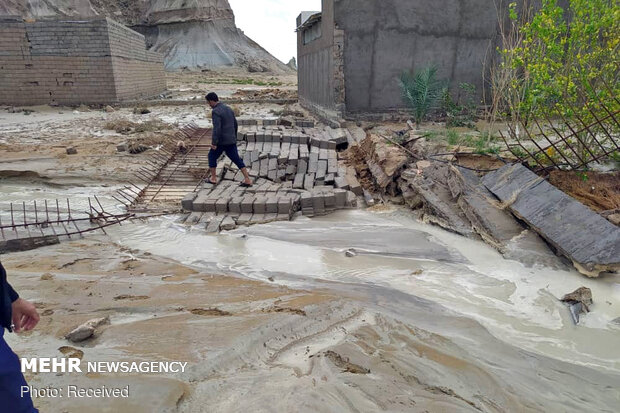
[(341, 198), (247, 205), (332, 165), (264, 167), (354, 184), (298, 183), (330, 201), (306, 200), (271, 205), (221, 205), (214, 224), (302, 166), (193, 218), (234, 206), (329, 179), (188, 201), (293, 155), (309, 182), (284, 205), (228, 224), (259, 206), (321, 169), (341, 182), (244, 219), (257, 219)]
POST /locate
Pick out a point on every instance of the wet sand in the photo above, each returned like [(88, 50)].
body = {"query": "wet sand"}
[(277, 317)]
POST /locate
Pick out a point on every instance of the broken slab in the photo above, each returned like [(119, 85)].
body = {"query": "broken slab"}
[(590, 241), (430, 189)]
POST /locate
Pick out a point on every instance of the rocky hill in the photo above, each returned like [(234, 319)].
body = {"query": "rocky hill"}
[(194, 34)]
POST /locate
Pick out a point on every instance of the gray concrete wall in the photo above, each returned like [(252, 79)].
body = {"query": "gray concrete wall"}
[(383, 38), (315, 62)]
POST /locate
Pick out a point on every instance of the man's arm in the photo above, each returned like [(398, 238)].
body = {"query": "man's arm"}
[(217, 129), (236, 125)]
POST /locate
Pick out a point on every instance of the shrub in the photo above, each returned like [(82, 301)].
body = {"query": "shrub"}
[(421, 92), (463, 110)]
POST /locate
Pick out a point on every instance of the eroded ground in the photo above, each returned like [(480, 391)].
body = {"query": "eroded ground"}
[(278, 317)]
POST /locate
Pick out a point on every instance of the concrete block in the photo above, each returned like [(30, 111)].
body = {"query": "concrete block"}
[(260, 205), (330, 201), (298, 183), (247, 205), (228, 224), (284, 206), (302, 166), (271, 205), (341, 198), (318, 203), (214, 224), (293, 156), (188, 201), (354, 184), (341, 182), (309, 182), (234, 206), (321, 169), (244, 219)]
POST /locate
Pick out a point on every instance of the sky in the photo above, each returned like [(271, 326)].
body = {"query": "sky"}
[(271, 23)]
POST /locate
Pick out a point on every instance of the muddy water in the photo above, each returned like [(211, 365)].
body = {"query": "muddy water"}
[(407, 280), (517, 304)]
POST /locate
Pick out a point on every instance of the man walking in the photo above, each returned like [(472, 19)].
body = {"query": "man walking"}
[(17, 314), (224, 139)]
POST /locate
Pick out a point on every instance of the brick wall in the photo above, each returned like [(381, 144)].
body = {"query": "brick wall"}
[(138, 72), (74, 62)]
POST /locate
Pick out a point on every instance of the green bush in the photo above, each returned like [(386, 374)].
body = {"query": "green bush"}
[(421, 92), (463, 110)]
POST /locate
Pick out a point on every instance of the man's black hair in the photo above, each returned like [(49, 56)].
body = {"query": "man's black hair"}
[(213, 97)]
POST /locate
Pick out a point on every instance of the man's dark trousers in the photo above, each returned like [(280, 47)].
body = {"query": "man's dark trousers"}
[(11, 382), (230, 150)]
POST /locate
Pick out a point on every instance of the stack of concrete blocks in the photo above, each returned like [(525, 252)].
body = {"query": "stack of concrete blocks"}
[(94, 61), (307, 157), (228, 205), (294, 169)]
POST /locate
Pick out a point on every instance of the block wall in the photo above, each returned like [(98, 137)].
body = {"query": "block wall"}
[(74, 62), (138, 72)]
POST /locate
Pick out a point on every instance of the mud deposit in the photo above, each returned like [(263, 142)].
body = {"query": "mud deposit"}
[(279, 318)]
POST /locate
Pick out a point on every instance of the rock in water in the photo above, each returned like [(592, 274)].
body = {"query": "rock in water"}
[(579, 301)]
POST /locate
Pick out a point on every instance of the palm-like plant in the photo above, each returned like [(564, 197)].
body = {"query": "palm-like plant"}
[(421, 91)]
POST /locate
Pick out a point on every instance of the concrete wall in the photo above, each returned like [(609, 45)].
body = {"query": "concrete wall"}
[(138, 72), (74, 62), (316, 66), (383, 38)]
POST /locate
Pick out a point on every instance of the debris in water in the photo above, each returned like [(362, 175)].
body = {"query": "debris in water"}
[(209, 312), (350, 253), (579, 301), (345, 364)]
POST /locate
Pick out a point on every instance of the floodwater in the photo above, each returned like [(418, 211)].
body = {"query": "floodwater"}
[(498, 315)]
